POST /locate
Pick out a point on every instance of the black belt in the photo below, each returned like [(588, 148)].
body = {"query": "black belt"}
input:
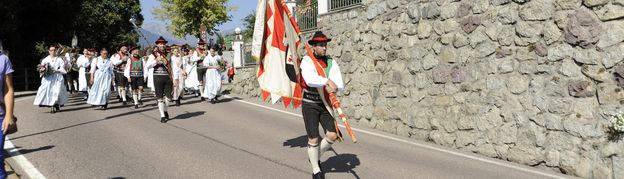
[(312, 97), (136, 74), (161, 71)]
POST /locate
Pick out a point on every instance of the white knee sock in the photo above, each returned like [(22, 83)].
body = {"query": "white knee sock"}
[(325, 145), (140, 94), (313, 154), (135, 98), (166, 104), (123, 94), (201, 90), (161, 108)]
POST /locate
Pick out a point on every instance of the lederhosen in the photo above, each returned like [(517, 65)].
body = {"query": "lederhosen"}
[(201, 69), (313, 109), (120, 79), (162, 81), (136, 73)]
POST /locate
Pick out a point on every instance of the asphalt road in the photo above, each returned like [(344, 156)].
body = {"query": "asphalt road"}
[(230, 139)]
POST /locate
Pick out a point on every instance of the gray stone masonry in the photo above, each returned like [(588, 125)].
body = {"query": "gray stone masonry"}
[(529, 81)]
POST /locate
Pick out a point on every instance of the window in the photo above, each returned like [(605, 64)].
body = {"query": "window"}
[(341, 4), (307, 19)]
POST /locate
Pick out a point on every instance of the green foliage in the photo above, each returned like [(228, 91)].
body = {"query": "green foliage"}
[(186, 16), (109, 21), (249, 21)]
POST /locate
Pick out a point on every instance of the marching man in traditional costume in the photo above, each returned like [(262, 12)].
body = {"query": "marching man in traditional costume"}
[(102, 79), (163, 84), (120, 59), (198, 57), (83, 63), (179, 75), (314, 110), (213, 76), (52, 92), (134, 73)]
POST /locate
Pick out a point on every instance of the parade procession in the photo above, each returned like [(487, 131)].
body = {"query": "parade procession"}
[(483, 89), (125, 74)]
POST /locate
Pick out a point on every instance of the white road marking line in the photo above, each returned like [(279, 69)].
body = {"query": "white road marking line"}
[(21, 161), (417, 144)]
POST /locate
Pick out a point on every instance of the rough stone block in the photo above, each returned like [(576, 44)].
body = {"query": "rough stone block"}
[(503, 53), (517, 84), (592, 3), (614, 35), (582, 29), (609, 94), (568, 4), (470, 23), (596, 72), (537, 10), (441, 74), (464, 9), (458, 75), (581, 89)]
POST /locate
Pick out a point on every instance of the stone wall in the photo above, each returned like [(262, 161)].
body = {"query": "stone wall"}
[(529, 81)]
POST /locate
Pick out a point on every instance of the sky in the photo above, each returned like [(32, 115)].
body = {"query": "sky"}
[(245, 7)]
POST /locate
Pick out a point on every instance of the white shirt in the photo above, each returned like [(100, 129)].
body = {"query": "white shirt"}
[(83, 62), (177, 64), (312, 79), (116, 59), (197, 56)]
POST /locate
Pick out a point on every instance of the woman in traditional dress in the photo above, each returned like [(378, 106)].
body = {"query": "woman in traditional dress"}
[(83, 63), (52, 92), (179, 75), (101, 79), (212, 77)]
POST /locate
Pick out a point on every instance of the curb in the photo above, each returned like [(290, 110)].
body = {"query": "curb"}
[(24, 94)]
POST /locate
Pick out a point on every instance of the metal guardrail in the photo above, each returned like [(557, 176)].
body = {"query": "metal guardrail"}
[(25, 79), (341, 4), (307, 20)]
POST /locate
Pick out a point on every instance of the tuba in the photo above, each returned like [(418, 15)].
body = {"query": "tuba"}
[(62, 49)]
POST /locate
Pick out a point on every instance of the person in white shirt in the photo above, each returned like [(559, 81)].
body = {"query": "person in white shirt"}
[(212, 77), (52, 92), (102, 79), (120, 59), (83, 62), (198, 58), (314, 109), (134, 74), (163, 84), (179, 74)]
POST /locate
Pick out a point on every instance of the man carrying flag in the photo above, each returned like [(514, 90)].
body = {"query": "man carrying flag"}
[(313, 109), (310, 81)]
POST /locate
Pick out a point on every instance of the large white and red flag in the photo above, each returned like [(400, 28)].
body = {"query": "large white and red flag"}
[(275, 44)]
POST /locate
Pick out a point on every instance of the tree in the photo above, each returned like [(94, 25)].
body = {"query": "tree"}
[(249, 21), (27, 25), (109, 19), (186, 16)]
